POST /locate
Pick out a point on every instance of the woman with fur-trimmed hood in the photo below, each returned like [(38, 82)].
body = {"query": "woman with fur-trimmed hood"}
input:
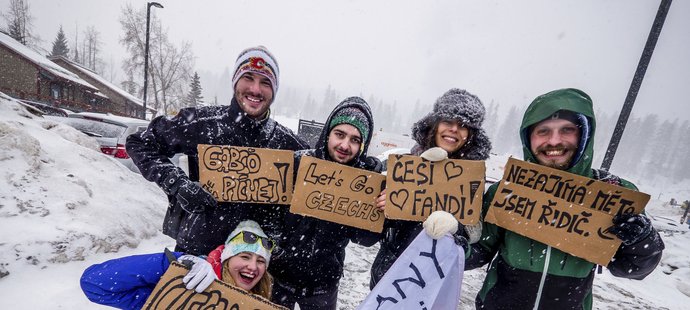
[(454, 125)]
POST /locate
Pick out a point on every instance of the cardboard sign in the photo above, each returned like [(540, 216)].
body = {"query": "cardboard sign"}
[(242, 174), (416, 187), (170, 293), (564, 210), (338, 193), (428, 275)]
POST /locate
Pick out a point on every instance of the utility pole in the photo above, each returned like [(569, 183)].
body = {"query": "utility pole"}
[(636, 82), (146, 49)]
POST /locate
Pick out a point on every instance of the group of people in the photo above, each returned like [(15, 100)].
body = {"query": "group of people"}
[(306, 254)]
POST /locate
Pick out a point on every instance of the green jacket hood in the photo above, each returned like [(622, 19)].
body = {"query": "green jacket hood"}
[(544, 106)]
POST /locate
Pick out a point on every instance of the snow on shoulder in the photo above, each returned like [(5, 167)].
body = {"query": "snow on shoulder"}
[(61, 199)]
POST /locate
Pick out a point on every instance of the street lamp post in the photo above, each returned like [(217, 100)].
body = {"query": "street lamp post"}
[(146, 49)]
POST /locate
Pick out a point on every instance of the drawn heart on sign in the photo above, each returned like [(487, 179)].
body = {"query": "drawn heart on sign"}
[(399, 198), (452, 170)]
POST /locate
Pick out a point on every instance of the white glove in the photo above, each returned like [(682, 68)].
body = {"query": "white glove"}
[(474, 232), (439, 224), (201, 275), (435, 154)]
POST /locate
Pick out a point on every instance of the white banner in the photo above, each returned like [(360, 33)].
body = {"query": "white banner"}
[(427, 276)]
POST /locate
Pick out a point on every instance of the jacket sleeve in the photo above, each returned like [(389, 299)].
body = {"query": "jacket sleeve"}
[(485, 249), (126, 282), (638, 260), (151, 149)]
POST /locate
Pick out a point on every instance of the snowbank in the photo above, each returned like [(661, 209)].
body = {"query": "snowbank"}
[(61, 199)]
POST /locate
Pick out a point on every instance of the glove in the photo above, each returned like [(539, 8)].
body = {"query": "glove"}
[(201, 275), (372, 164), (435, 154), (190, 196), (474, 232), (439, 224), (631, 228)]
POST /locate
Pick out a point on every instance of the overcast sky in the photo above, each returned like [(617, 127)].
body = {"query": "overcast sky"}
[(505, 51)]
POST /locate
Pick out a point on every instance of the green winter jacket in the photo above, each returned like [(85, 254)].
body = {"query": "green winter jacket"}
[(516, 277)]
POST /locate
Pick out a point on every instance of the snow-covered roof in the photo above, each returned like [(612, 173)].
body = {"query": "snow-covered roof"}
[(42, 61), (103, 81)]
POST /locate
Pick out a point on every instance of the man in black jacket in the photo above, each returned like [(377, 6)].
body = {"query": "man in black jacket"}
[(194, 219), (308, 263)]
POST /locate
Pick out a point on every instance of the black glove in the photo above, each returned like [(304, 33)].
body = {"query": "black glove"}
[(190, 196), (631, 228), (461, 241), (372, 164)]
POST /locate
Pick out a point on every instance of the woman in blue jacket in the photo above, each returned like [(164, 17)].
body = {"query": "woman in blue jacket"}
[(127, 282)]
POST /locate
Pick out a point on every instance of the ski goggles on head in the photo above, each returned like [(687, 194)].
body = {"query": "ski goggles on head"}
[(249, 237)]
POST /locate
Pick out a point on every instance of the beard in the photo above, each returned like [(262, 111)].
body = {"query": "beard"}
[(561, 162)]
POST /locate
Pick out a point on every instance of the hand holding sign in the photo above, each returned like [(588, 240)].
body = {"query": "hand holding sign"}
[(569, 212)]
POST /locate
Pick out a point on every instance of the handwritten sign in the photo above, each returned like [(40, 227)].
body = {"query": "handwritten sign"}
[(416, 187), (561, 209), (338, 193), (428, 275), (170, 293), (242, 174)]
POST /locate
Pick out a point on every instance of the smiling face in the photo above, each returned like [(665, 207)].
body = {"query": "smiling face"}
[(554, 142), (254, 94), (450, 135), (246, 269), (344, 142)]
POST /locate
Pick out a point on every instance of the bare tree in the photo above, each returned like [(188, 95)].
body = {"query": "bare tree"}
[(170, 66), (20, 23), (91, 47)]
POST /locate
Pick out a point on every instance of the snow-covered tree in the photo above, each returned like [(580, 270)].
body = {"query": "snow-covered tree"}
[(194, 97), (20, 22), (169, 65), (60, 47)]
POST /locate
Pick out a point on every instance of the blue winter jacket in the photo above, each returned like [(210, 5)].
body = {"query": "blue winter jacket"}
[(125, 282)]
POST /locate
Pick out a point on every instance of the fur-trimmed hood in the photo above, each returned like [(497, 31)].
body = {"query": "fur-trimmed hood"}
[(460, 105)]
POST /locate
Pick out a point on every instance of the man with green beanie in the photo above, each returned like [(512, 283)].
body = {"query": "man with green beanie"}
[(558, 131), (308, 262)]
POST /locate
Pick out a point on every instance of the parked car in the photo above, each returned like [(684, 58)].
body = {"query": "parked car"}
[(43, 109), (110, 131)]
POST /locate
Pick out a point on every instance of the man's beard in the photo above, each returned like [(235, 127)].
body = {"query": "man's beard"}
[(568, 150)]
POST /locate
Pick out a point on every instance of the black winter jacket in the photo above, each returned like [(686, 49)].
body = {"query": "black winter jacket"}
[(311, 253), (219, 125)]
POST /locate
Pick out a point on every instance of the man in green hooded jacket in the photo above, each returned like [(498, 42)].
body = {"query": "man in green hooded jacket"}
[(558, 131)]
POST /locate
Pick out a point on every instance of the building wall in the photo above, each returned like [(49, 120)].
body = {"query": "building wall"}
[(18, 76), (118, 104)]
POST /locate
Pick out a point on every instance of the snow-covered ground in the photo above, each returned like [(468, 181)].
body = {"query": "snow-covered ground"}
[(64, 206)]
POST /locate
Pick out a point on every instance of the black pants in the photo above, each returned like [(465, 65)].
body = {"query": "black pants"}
[(308, 299)]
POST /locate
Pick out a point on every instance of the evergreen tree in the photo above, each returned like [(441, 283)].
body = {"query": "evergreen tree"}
[(660, 155), (194, 97), (508, 139), (20, 22), (60, 47), (491, 120)]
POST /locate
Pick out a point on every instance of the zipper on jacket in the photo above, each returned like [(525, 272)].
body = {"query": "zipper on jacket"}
[(543, 277)]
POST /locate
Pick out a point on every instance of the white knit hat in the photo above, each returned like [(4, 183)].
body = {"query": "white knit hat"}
[(257, 60), (234, 246)]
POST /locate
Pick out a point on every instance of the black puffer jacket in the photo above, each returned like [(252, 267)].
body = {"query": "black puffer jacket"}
[(311, 253), (220, 125), (457, 105)]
